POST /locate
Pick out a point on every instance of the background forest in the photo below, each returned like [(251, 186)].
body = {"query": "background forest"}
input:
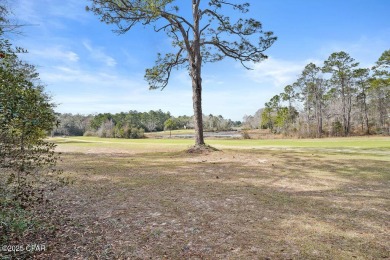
[(133, 124), (335, 99)]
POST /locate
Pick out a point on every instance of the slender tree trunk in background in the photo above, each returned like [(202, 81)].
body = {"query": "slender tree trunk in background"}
[(22, 166), (347, 106), (382, 113), (345, 129), (319, 118), (307, 114), (366, 117), (349, 109)]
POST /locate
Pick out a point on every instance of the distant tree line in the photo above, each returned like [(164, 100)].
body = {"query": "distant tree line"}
[(335, 99), (132, 124)]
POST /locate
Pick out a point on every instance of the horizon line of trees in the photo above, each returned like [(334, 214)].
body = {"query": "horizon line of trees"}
[(133, 124), (336, 99)]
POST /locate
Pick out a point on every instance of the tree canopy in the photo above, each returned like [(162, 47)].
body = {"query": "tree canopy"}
[(208, 35), (338, 98)]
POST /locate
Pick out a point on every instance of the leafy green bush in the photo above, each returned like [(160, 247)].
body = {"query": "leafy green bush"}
[(27, 161), (136, 133)]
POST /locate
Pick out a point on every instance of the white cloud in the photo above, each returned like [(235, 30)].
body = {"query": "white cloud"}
[(78, 90), (55, 53), (59, 75), (276, 72), (25, 11), (99, 55)]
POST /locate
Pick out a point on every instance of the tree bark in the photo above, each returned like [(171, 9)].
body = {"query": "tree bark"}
[(319, 117), (366, 116), (195, 71), (197, 104)]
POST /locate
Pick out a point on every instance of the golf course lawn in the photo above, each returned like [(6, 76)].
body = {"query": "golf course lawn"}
[(252, 199)]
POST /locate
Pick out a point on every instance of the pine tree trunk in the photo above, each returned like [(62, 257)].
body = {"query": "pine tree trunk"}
[(346, 99), (366, 117), (197, 104), (319, 118), (195, 69)]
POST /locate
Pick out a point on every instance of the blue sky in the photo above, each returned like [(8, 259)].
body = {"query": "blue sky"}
[(89, 69)]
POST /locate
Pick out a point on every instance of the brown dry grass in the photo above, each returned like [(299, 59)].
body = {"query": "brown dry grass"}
[(231, 204)]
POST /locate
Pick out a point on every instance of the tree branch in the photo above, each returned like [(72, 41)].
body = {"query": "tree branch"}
[(158, 76)]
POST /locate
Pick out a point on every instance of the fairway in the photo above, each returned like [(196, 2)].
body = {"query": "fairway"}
[(253, 199), (359, 145)]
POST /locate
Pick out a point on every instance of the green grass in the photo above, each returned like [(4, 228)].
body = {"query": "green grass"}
[(117, 141), (254, 199), (358, 145), (174, 132), (352, 142)]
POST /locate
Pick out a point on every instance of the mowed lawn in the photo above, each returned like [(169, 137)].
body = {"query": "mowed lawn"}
[(253, 199)]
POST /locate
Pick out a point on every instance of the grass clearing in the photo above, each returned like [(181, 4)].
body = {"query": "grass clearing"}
[(255, 199), (377, 144)]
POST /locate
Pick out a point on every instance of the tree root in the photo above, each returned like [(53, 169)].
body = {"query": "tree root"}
[(201, 149)]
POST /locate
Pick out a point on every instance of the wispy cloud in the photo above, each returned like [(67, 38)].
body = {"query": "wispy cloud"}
[(69, 9), (81, 90), (212, 80), (276, 72), (56, 53), (50, 14), (26, 12), (98, 54), (101, 81)]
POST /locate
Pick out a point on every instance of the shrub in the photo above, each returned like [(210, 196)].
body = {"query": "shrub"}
[(137, 133), (245, 135), (89, 133), (27, 161)]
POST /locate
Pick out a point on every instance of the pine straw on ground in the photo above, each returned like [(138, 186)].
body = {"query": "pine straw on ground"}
[(259, 204)]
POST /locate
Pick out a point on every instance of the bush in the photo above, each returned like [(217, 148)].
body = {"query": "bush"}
[(89, 133), (14, 220), (137, 133), (245, 135), (27, 161), (337, 128)]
